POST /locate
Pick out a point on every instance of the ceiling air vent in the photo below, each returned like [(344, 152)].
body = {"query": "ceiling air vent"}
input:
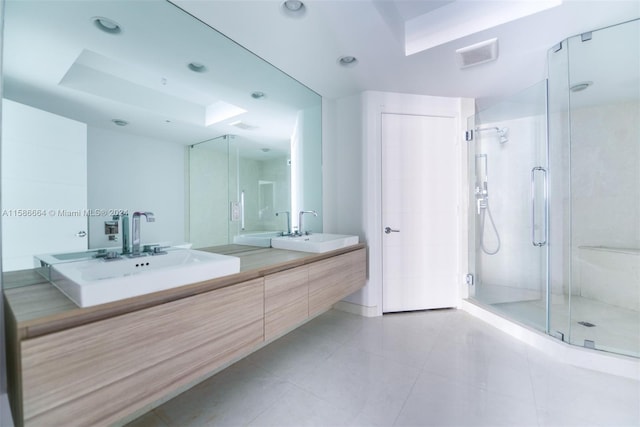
[(478, 53), (241, 125)]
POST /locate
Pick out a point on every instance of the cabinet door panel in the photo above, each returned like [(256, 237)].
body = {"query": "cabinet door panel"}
[(333, 279), (286, 301), (103, 371)]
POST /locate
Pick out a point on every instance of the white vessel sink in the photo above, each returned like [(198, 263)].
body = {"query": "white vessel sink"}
[(98, 281), (317, 243)]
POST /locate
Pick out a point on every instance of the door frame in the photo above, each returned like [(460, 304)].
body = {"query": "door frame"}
[(376, 104)]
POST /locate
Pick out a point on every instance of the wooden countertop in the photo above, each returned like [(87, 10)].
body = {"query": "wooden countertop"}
[(39, 308)]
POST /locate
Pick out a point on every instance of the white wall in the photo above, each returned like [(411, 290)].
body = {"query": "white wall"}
[(135, 173), (306, 159), (343, 166), (605, 167), (605, 181), (352, 178)]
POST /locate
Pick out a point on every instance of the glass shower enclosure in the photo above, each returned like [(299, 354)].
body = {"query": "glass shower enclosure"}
[(235, 191), (555, 191), (508, 158)]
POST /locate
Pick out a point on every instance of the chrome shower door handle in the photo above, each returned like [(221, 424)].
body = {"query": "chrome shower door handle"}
[(542, 242), (81, 234), (390, 230)]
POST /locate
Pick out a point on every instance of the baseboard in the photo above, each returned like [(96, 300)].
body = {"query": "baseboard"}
[(352, 308)]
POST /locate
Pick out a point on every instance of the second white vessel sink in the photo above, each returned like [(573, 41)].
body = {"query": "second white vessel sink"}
[(317, 243), (98, 281)]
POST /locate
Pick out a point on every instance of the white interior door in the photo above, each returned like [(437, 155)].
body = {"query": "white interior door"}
[(44, 185), (419, 212)]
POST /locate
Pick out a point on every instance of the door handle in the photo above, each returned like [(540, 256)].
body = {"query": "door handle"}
[(539, 243), (81, 234), (389, 230)]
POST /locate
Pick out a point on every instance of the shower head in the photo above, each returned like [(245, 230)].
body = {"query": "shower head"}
[(502, 132)]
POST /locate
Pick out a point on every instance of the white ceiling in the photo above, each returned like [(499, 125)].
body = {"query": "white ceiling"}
[(307, 48), (57, 60)]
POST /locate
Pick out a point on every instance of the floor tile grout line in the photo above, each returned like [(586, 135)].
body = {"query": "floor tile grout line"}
[(533, 388), (395, 421), (270, 406)]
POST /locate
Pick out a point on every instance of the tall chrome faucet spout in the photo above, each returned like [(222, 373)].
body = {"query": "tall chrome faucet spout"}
[(301, 230), (135, 230)]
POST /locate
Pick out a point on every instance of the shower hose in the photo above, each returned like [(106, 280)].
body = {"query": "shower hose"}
[(483, 213)]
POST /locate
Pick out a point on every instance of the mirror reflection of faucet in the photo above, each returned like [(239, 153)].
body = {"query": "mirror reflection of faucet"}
[(288, 221)]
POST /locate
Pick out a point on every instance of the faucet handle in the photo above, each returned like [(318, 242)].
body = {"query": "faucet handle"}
[(160, 250)]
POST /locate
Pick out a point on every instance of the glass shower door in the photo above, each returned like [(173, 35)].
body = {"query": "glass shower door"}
[(208, 194), (595, 127), (510, 222)]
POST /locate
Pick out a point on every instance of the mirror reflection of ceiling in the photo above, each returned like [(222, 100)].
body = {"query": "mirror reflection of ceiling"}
[(58, 60)]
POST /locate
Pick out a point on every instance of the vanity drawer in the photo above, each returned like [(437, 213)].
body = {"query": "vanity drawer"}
[(98, 373), (286, 301), (333, 279)]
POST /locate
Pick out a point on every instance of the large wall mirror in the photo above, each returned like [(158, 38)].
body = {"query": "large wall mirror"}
[(114, 107)]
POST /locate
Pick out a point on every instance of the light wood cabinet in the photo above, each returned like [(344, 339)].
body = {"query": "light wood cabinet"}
[(332, 279), (100, 372), (286, 301), (97, 366)]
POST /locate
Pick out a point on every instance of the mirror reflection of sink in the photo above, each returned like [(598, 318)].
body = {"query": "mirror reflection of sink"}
[(51, 259), (262, 239), (317, 243), (97, 281)]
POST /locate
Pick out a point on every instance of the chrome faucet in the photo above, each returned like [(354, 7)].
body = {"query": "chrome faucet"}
[(288, 221), (125, 234), (300, 229), (135, 231)]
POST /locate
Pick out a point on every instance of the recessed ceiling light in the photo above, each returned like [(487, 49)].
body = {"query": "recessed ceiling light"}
[(578, 87), (347, 61), (107, 25), (293, 8), (258, 95), (120, 122), (197, 67)]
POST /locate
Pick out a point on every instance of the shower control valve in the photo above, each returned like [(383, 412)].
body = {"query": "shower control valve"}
[(482, 204)]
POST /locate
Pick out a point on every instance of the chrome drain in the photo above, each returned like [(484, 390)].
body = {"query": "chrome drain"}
[(587, 324)]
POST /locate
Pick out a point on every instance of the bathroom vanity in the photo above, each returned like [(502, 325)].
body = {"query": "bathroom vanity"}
[(109, 363)]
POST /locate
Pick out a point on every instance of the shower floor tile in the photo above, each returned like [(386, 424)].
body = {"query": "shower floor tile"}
[(616, 329)]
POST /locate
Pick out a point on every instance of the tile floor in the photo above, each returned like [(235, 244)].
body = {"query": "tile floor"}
[(436, 368)]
